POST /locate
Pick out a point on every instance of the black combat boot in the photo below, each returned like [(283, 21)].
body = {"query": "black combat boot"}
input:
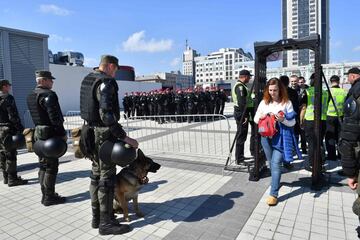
[(95, 217), (51, 197), (108, 224), (5, 176), (42, 184), (14, 180), (110, 227)]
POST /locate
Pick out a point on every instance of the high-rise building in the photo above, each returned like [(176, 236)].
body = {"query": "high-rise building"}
[(224, 64), (188, 61), (302, 18)]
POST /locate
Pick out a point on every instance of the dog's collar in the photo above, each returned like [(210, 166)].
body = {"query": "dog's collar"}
[(142, 181)]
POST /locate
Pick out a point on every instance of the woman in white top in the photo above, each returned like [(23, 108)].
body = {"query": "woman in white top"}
[(275, 101)]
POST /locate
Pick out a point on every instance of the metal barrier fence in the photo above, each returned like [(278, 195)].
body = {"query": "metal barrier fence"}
[(199, 135), (205, 135)]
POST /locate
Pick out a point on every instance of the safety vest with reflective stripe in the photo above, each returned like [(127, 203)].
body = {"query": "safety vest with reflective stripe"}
[(249, 100), (339, 96), (309, 114)]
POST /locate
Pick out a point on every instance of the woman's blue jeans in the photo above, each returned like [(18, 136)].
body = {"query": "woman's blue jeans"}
[(275, 158)]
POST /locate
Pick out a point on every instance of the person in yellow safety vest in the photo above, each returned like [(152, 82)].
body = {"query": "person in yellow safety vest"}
[(242, 103), (307, 118), (332, 120)]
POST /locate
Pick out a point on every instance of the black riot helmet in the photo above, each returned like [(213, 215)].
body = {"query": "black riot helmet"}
[(119, 153), (52, 148), (14, 142)]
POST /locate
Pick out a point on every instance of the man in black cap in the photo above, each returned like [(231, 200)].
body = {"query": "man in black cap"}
[(242, 105), (10, 124), (349, 146), (48, 119), (99, 107)]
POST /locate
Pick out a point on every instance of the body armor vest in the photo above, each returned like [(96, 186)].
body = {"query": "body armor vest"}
[(37, 112), (89, 105)]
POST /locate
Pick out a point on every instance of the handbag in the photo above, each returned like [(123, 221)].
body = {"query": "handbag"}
[(267, 126)]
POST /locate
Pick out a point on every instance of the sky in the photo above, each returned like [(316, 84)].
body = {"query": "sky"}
[(150, 35)]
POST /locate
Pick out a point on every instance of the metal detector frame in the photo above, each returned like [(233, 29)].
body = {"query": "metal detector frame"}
[(262, 51)]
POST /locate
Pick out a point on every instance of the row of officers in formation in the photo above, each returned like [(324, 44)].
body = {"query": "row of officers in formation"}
[(175, 102)]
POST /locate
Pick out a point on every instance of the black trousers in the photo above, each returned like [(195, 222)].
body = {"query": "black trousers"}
[(242, 131), (310, 139), (332, 136)]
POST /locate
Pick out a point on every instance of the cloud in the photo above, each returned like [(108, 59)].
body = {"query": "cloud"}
[(356, 49), (57, 38), (175, 62), (53, 9), (90, 62), (137, 43)]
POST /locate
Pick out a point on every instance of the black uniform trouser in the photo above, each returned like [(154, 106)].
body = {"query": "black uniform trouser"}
[(48, 169), (8, 163), (217, 108), (7, 158), (242, 131), (222, 107), (303, 140), (332, 136), (310, 139), (102, 180)]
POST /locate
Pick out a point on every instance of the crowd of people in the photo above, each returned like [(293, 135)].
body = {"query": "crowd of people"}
[(291, 103), (175, 102), (289, 100)]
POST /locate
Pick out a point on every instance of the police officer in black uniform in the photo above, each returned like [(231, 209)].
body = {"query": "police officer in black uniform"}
[(223, 99), (10, 124), (48, 119), (126, 105), (349, 146), (190, 104), (179, 101), (99, 106)]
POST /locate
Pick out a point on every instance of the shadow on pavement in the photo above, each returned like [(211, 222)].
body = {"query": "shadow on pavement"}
[(152, 186), (69, 176), (78, 197), (304, 185), (32, 166), (181, 209)]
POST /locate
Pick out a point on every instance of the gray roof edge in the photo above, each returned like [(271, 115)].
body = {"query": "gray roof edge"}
[(22, 32)]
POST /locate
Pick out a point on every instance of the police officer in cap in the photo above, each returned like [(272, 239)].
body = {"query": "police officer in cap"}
[(307, 118), (242, 101), (99, 106), (350, 137), (10, 124), (48, 119), (332, 119)]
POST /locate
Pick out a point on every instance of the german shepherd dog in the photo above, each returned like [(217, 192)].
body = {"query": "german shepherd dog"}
[(129, 181)]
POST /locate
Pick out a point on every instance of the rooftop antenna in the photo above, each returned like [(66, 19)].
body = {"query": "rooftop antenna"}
[(186, 44)]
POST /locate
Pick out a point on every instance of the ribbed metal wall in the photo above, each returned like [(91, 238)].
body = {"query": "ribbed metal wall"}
[(26, 56)]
